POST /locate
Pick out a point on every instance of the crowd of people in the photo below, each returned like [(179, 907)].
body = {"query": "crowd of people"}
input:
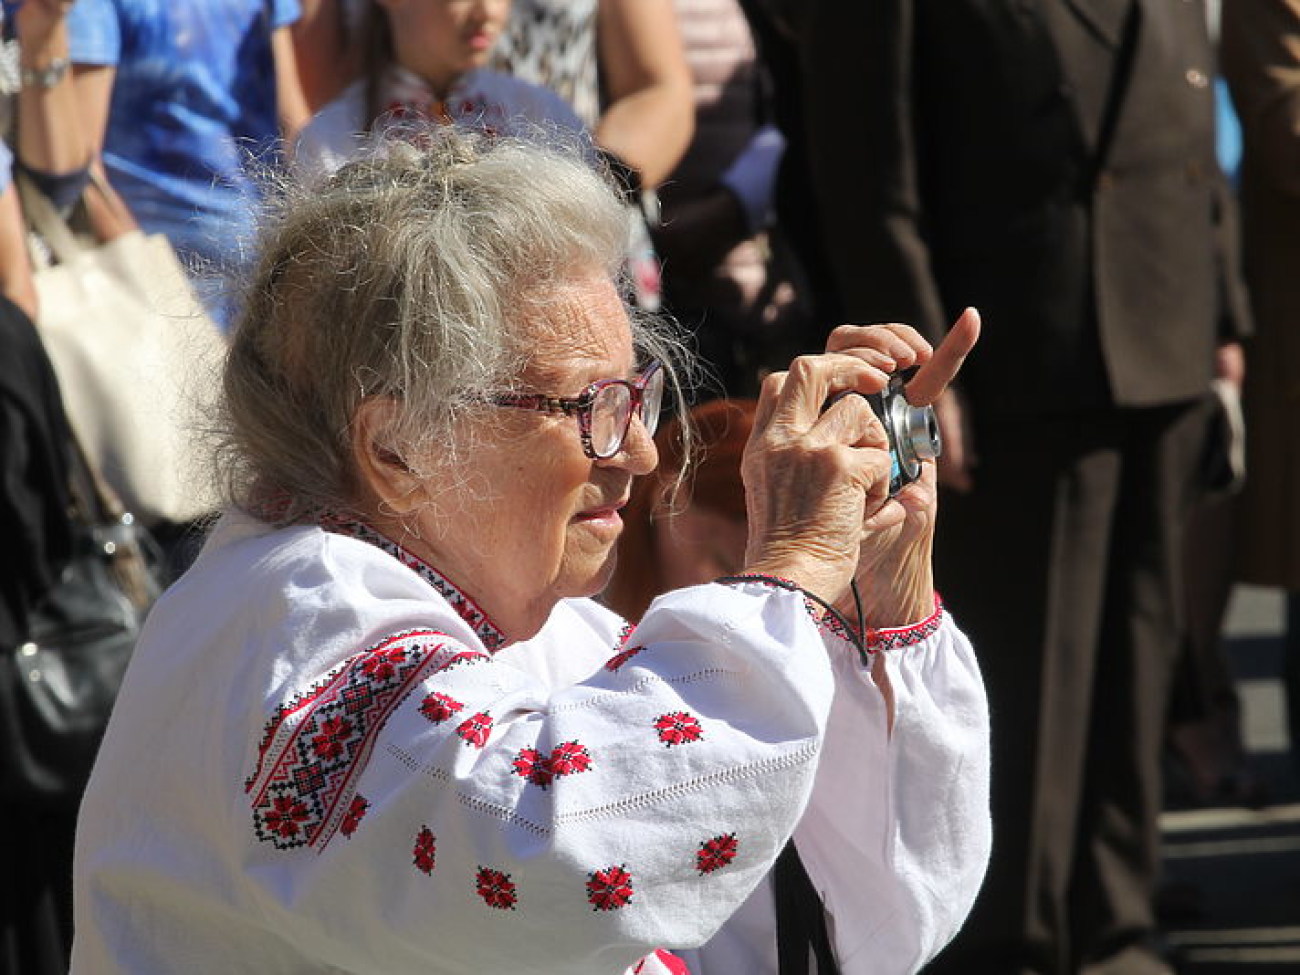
[(405, 710)]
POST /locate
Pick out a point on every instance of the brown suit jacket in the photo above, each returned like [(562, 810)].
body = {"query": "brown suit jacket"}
[(1051, 162)]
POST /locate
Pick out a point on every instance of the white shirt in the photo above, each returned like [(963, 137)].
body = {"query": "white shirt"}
[(481, 99), (326, 759)]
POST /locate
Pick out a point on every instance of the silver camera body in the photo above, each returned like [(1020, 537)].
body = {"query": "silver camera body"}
[(912, 431)]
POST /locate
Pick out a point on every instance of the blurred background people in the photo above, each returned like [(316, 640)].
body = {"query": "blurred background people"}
[(620, 65), (683, 535), (186, 101), (1260, 52), (424, 63), (38, 801), (729, 272), (1053, 165)]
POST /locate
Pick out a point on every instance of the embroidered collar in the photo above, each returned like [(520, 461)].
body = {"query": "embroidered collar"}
[(468, 610)]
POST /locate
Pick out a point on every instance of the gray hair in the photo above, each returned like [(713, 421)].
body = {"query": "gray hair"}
[(411, 274)]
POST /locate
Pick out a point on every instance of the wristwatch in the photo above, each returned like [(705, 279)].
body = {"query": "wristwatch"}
[(48, 76)]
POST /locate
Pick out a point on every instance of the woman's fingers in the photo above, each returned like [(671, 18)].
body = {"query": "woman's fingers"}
[(935, 375)]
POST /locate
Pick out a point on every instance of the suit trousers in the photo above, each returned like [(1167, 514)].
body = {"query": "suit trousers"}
[(1064, 566)]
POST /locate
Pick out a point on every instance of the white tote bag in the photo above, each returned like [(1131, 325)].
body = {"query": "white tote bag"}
[(137, 358)]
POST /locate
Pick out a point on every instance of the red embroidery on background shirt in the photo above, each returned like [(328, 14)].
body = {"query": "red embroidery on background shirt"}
[(533, 766), (496, 889), (678, 728), (316, 745), (425, 848), (352, 818), (716, 853), (610, 889), (570, 758)]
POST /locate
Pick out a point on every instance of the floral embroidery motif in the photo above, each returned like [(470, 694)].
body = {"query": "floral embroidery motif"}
[(671, 963), (476, 728), (352, 818), (609, 889), (439, 707), (533, 766), (570, 758), (678, 728), (316, 745), (285, 817), (716, 853), (496, 889), (425, 848), (567, 758)]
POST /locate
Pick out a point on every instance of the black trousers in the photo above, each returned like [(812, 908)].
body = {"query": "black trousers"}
[(1063, 565)]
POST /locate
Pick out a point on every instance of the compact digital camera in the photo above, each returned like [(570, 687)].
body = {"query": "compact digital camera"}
[(912, 431)]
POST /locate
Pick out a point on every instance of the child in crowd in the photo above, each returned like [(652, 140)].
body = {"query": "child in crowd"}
[(424, 61)]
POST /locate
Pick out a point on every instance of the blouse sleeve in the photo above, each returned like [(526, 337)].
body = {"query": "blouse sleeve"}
[(427, 801), (897, 834)]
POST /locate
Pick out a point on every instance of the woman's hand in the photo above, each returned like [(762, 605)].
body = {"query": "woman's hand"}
[(894, 574), (813, 473)]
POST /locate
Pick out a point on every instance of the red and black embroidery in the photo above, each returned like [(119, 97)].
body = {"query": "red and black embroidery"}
[(609, 889), (487, 631), (425, 850), (438, 707), (476, 729), (671, 963), (316, 745), (716, 853), (620, 658), (900, 637), (352, 818), (567, 758), (678, 728), (496, 889)]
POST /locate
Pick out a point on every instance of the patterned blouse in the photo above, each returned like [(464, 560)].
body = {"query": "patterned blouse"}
[(327, 758)]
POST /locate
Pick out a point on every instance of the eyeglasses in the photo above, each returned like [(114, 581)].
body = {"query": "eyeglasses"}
[(604, 409)]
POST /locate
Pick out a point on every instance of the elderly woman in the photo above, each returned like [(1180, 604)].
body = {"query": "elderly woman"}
[(379, 727)]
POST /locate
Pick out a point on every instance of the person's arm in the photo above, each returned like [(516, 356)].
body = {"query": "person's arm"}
[(328, 58), (108, 213), (650, 113), (291, 103), (50, 138), (16, 281)]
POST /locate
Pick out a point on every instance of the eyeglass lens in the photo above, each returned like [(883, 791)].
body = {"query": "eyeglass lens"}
[(611, 413)]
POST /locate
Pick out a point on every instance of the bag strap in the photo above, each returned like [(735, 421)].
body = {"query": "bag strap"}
[(45, 220), (800, 919)]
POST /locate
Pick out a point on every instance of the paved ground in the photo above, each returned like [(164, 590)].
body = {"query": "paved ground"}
[(1232, 873)]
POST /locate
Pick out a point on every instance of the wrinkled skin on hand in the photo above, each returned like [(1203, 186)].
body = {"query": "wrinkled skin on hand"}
[(817, 482)]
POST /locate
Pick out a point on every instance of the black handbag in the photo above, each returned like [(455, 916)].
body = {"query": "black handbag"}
[(65, 675)]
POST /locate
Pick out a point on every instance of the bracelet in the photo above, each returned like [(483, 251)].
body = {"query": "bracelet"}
[(852, 633), (48, 76)]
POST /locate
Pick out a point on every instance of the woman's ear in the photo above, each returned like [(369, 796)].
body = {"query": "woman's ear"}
[(383, 471)]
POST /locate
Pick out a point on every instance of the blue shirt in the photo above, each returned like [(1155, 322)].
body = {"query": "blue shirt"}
[(193, 112)]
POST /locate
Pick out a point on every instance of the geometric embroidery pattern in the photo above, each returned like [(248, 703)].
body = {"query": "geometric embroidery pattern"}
[(716, 853), (316, 745), (897, 638), (609, 889)]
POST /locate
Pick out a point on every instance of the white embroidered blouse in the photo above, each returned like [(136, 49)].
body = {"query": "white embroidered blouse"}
[(325, 758)]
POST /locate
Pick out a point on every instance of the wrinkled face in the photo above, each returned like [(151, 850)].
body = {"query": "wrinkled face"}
[(442, 39), (536, 520)]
